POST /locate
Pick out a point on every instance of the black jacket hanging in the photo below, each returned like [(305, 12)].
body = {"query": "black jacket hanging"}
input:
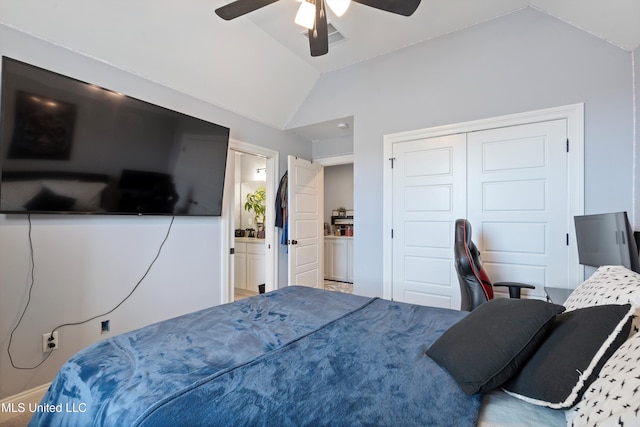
[(281, 201)]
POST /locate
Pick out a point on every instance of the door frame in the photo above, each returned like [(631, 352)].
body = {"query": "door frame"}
[(227, 230), (573, 114)]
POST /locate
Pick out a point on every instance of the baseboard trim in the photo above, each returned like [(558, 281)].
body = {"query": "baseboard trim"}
[(10, 407)]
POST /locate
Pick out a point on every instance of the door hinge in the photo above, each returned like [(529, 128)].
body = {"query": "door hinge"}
[(567, 239), (567, 145), (392, 159), (232, 251), (392, 233)]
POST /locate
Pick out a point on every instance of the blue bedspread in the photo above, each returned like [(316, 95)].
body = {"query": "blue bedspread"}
[(296, 357)]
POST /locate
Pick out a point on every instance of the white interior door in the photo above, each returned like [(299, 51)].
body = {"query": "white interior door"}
[(517, 203), (429, 190), (305, 222)]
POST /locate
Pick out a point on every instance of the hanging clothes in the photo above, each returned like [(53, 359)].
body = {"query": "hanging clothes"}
[(281, 201), (281, 208)]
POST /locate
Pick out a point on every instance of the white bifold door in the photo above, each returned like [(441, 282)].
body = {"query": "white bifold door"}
[(510, 183)]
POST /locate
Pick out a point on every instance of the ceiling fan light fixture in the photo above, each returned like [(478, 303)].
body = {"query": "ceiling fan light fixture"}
[(339, 7), (306, 15)]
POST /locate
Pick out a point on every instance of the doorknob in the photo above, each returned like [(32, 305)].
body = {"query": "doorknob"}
[(293, 242)]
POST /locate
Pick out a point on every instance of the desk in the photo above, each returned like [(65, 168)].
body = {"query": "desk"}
[(557, 295)]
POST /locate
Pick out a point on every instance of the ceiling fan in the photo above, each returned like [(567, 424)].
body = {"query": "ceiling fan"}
[(312, 15)]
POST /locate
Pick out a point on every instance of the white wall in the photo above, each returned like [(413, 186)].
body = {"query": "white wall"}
[(519, 62), (331, 147), (338, 188), (86, 265)]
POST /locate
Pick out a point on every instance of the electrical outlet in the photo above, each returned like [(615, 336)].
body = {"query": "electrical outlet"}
[(104, 327), (50, 343)]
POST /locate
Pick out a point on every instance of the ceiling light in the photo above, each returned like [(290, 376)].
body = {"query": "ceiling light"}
[(318, 34), (339, 7), (306, 15), (343, 126)]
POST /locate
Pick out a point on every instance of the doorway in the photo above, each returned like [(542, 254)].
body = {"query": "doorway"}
[(262, 255), (250, 203), (338, 249)]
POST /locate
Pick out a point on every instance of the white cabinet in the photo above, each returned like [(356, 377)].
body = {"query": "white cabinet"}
[(350, 260), (249, 264), (255, 265), (240, 270), (338, 258)]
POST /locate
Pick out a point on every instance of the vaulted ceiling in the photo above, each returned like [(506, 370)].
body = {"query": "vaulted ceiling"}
[(259, 65)]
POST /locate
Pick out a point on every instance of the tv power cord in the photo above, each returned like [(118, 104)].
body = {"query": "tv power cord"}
[(32, 267)]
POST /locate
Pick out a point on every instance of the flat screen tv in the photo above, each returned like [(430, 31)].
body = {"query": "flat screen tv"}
[(606, 239), (67, 146)]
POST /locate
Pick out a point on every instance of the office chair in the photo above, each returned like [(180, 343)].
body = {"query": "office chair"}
[(475, 286)]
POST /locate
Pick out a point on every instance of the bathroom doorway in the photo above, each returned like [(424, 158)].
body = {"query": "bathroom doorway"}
[(260, 259), (249, 218)]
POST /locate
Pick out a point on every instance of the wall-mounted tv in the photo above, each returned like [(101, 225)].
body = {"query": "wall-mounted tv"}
[(67, 146), (606, 239)]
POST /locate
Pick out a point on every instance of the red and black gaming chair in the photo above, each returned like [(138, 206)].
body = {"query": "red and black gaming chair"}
[(475, 286)]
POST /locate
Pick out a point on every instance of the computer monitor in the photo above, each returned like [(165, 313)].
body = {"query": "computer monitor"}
[(606, 239)]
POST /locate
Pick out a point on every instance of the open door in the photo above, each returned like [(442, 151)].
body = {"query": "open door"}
[(305, 222)]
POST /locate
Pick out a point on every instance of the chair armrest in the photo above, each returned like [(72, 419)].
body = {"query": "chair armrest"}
[(515, 288)]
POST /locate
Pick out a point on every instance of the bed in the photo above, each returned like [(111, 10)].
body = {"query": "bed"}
[(296, 356)]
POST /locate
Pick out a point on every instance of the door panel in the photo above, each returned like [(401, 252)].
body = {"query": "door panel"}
[(427, 197), (517, 182), (305, 226)]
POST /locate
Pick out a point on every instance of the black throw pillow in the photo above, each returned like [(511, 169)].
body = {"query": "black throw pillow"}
[(569, 360), (493, 342)]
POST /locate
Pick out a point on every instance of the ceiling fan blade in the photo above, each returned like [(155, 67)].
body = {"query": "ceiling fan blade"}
[(318, 35), (241, 7), (400, 7)]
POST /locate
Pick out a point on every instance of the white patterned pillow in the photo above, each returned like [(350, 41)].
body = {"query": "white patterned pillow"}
[(613, 399), (610, 284)]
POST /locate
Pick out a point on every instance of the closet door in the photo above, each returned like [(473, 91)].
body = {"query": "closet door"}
[(517, 202), (429, 192), (511, 183)]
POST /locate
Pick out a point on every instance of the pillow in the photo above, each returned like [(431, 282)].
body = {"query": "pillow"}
[(488, 346), (87, 194), (47, 200), (611, 284), (613, 398), (569, 359)]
